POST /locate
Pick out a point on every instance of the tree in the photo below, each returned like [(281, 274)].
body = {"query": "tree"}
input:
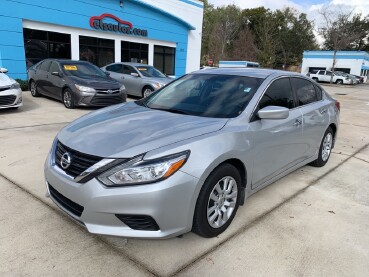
[(340, 30)]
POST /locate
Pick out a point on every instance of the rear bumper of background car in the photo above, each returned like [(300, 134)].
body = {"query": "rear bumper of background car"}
[(11, 98)]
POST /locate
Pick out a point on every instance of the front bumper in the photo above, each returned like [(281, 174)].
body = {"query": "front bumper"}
[(99, 100), (11, 98), (170, 203)]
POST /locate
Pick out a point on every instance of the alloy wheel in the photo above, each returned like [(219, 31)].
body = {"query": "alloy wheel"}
[(222, 202), (67, 98), (147, 92), (327, 146)]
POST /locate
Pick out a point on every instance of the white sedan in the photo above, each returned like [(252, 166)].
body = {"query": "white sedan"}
[(10, 92)]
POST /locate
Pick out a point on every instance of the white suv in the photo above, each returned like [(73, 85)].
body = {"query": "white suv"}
[(325, 76), (10, 92)]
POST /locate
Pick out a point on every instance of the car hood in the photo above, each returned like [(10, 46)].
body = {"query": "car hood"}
[(5, 80), (127, 130), (96, 82)]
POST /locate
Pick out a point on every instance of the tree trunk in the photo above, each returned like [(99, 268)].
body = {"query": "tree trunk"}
[(333, 65)]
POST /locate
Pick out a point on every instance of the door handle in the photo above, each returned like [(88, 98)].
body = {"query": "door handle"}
[(297, 123)]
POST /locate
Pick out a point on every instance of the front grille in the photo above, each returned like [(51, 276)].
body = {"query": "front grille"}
[(65, 202), (7, 99), (4, 88), (139, 222), (79, 161), (106, 100), (105, 91)]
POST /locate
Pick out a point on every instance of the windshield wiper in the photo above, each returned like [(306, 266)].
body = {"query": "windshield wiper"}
[(171, 110)]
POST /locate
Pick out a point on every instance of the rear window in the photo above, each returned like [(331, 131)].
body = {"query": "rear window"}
[(305, 91)]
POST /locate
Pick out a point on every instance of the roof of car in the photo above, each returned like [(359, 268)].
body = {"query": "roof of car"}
[(248, 72), (133, 64)]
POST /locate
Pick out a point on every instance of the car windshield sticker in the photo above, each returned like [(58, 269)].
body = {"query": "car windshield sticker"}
[(142, 69), (247, 89), (70, 67)]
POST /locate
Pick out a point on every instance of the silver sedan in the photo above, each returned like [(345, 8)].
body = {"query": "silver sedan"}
[(187, 156), (139, 79)]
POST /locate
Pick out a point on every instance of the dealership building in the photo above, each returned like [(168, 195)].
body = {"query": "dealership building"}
[(163, 33), (353, 62)]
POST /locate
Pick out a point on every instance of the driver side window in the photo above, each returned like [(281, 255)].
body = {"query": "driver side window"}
[(279, 93)]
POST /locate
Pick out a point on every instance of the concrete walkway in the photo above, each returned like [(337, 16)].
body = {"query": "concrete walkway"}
[(312, 222)]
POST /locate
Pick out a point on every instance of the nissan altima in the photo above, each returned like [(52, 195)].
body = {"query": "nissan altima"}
[(187, 156)]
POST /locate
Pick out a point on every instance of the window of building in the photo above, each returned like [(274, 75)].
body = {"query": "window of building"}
[(41, 45), (305, 91), (279, 93), (315, 69), (164, 59), (96, 50), (134, 52), (346, 70)]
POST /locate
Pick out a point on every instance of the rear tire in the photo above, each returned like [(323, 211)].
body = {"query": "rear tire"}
[(316, 79), (68, 99), (218, 202), (339, 82), (33, 89), (325, 149)]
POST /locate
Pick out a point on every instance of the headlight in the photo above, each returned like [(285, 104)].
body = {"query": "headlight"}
[(85, 89), (122, 88), (139, 171), (158, 85), (15, 86)]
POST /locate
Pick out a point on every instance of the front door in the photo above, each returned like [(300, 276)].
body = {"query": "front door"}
[(132, 83), (277, 143)]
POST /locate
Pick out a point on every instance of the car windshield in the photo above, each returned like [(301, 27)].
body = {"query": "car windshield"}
[(206, 95), (149, 71), (82, 70)]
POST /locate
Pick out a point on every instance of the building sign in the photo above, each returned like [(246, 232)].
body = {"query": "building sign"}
[(121, 26)]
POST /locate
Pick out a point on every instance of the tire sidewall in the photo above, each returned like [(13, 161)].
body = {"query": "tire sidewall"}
[(320, 159), (72, 99), (202, 202), (35, 93)]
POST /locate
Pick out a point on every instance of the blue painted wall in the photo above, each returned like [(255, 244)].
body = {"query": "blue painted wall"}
[(76, 13)]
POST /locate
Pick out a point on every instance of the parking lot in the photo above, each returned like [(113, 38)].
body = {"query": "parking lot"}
[(312, 222)]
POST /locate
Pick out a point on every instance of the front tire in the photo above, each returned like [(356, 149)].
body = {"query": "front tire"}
[(339, 82), (218, 202), (68, 99), (34, 90), (146, 91), (325, 149)]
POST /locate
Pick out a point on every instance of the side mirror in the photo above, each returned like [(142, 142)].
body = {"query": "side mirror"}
[(273, 112), (3, 70), (135, 74), (55, 73)]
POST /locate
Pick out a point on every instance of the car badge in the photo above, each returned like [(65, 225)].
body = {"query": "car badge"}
[(109, 91), (66, 160)]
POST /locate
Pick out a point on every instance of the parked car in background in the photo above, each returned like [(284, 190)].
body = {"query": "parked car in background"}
[(10, 92), (360, 79), (75, 83), (139, 79), (325, 76), (187, 156), (352, 77)]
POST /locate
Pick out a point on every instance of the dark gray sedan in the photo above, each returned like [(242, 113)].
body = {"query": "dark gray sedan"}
[(76, 83), (139, 79)]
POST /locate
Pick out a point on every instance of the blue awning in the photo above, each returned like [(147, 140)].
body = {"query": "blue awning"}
[(365, 67)]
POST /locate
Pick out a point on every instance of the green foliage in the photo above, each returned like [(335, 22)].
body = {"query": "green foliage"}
[(272, 38), (23, 84)]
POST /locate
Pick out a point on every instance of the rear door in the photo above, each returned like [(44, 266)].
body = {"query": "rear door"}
[(277, 142), (314, 111)]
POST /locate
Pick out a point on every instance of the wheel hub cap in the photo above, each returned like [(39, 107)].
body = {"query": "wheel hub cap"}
[(327, 146), (222, 202)]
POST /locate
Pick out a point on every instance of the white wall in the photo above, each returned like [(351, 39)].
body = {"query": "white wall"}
[(194, 16)]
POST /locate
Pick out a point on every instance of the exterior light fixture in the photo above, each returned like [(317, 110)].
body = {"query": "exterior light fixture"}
[(121, 4)]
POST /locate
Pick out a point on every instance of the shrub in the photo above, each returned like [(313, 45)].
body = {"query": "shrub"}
[(23, 84)]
